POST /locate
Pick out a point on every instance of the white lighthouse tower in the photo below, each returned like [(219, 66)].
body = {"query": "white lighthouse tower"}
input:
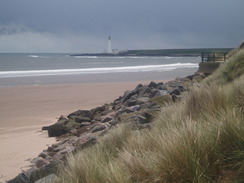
[(109, 45)]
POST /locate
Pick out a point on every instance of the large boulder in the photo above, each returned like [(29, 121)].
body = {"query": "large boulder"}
[(81, 113), (152, 85), (57, 130)]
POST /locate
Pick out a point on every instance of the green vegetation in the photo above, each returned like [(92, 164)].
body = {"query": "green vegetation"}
[(173, 52), (229, 71), (199, 139), (161, 52)]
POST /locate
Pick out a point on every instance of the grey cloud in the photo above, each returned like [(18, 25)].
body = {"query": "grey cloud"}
[(133, 24)]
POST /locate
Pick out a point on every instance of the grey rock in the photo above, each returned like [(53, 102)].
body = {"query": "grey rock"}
[(139, 86), (81, 119), (108, 117), (132, 108), (85, 141), (62, 117), (152, 85), (105, 119), (142, 100), (45, 128), (129, 94), (21, 178), (175, 92), (130, 103), (97, 128), (85, 124), (43, 154), (161, 93), (83, 113), (48, 179), (162, 86), (57, 130), (39, 162)]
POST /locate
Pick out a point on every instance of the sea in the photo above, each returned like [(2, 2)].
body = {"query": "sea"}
[(50, 68)]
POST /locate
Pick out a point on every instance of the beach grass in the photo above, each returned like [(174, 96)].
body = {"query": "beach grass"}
[(199, 139)]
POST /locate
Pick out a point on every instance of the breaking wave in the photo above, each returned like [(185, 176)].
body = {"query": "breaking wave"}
[(38, 56), (142, 68)]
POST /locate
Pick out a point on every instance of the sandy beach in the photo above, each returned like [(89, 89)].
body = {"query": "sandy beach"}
[(25, 109)]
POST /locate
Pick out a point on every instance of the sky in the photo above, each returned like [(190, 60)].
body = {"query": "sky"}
[(83, 26)]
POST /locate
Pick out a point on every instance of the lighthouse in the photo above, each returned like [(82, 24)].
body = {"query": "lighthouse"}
[(109, 45)]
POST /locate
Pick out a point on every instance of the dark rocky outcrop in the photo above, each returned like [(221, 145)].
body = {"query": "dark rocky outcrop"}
[(82, 128)]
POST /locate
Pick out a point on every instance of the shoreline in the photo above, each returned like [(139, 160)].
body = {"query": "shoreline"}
[(25, 109), (96, 78)]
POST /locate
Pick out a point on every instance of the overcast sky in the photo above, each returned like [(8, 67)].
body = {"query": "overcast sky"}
[(84, 25)]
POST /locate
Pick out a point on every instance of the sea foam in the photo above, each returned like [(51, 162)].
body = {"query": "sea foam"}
[(141, 68)]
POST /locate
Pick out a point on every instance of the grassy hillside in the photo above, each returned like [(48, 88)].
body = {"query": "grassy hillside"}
[(199, 139)]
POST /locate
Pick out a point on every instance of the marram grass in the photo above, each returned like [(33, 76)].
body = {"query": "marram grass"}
[(200, 139)]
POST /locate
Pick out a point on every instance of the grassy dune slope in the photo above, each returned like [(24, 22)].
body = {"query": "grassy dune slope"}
[(200, 139)]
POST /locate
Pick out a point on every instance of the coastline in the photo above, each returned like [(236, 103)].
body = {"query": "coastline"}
[(25, 109), (136, 77), (28, 103)]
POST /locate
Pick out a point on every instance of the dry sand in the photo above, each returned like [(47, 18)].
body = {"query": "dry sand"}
[(25, 109)]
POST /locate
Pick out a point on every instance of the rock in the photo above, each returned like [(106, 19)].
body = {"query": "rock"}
[(100, 108), (21, 178), (85, 141), (132, 108), (50, 149), (130, 103), (142, 100), (148, 92), (57, 130), (152, 85), (85, 124), (175, 92), (161, 93), (162, 86), (81, 119), (48, 179), (97, 128), (138, 87), (153, 92), (51, 168), (39, 162), (62, 121), (129, 94), (62, 117), (45, 128), (83, 113), (42, 155), (105, 119), (66, 150)]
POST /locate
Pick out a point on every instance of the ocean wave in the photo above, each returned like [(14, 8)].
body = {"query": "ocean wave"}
[(142, 68), (38, 56), (85, 56)]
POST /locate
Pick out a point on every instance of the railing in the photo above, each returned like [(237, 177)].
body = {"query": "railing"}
[(214, 56)]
